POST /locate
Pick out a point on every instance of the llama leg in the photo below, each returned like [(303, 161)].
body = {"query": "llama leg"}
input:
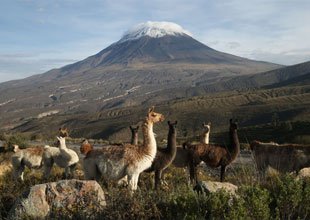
[(223, 168), (72, 169), (48, 165), (157, 178), (90, 171), (19, 172), (66, 173), (133, 181), (193, 172), (123, 181)]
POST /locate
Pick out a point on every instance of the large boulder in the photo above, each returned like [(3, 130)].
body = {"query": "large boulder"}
[(212, 186), (57, 198), (304, 173)]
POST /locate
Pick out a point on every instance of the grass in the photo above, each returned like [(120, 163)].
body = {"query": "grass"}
[(280, 197)]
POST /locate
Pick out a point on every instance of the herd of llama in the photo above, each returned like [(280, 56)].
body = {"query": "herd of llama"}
[(127, 161)]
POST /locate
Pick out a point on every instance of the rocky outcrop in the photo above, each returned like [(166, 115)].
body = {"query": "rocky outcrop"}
[(304, 173), (212, 186), (56, 198)]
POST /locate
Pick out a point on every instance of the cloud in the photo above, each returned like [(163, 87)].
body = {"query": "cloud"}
[(48, 34)]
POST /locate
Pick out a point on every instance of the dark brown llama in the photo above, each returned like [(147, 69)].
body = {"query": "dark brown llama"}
[(134, 135), (214, 155), (164, 157)]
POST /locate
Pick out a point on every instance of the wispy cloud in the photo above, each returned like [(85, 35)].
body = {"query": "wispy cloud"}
[(37, 35)]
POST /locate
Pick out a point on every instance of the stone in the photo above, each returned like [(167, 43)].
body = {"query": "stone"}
[(49, 199), (213, 186), (304, 173)]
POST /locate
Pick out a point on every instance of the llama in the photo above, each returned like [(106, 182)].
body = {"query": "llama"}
[(182, 157), (134, 135), (164, 157), (282, 157), (214, 155), (62, 156), (30, 157), (114, 162), (206, 133)]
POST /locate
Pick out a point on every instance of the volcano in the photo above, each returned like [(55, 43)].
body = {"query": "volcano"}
[(148, 63)]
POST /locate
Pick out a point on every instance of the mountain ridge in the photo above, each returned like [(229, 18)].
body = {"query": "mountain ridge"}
[(124, 74)]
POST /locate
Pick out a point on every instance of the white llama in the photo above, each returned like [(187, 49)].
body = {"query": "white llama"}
[(205, 133), (30, 157), (115, 162), (62, 156)]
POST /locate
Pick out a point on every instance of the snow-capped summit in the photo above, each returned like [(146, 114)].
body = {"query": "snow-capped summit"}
[(155, 30)]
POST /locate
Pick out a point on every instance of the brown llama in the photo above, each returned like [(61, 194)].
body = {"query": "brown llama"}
[(134, 135), (282, 157), (164, 157), (182, 157), (114, 162), (214, 155)]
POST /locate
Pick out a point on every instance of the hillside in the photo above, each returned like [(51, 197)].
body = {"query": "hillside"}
[(144, 66), (249, 107)]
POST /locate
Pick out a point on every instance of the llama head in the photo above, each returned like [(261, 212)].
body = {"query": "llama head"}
[(15, 148), (233, 125), (62, 142), (206, 127), (172, 126), (85, 147), (154, 117), (63, 132), (134, 130)]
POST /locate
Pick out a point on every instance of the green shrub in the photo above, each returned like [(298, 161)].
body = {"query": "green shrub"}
[(288, 197), (256, 201), (19, 139)]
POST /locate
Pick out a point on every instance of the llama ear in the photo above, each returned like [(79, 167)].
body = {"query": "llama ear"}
[(130, 127), (176, 122), (138, 127), (209, 123), (168, 122), (231, 121), (58, 138), (151, 109)]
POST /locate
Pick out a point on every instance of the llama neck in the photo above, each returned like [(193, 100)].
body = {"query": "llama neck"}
[(134, 138), (205, 138), (172, 141), (149, 142), (234, 144)]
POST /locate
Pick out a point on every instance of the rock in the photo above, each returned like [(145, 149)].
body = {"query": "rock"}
[(53, 199), (211, 187), (304, 173)]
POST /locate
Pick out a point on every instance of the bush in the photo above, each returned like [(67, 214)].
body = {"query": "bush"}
[(19, 139), (256, 201), (290, 197)]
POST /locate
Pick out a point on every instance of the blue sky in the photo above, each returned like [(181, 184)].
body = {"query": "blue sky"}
[(38, 35)]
